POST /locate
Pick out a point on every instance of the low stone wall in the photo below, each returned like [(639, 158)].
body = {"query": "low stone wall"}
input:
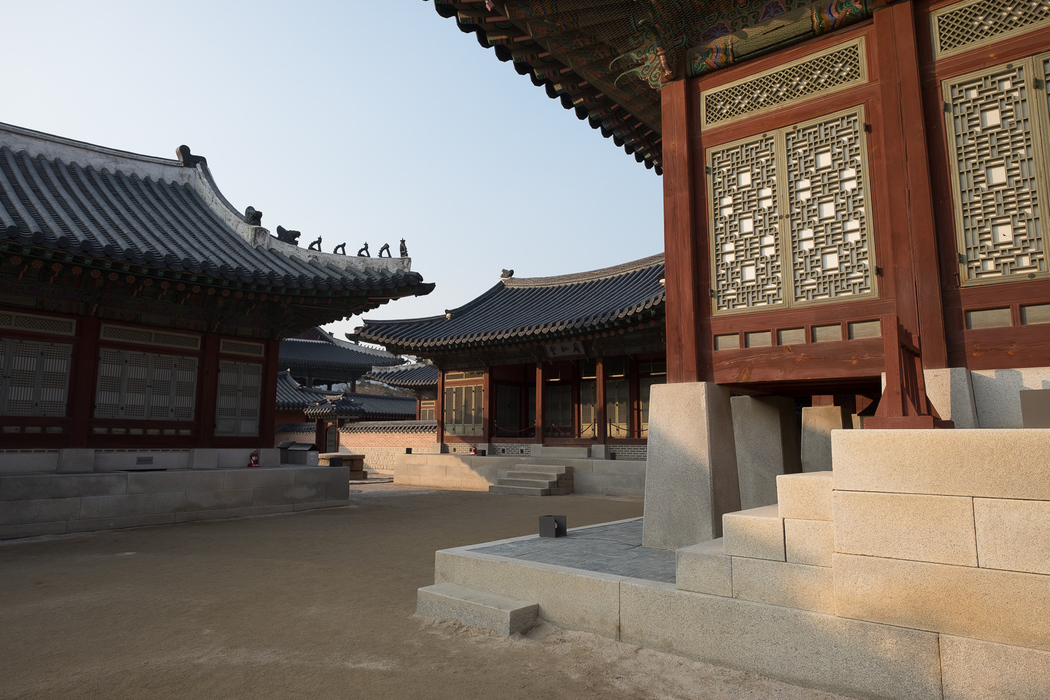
[(613, 477), (55, 503)]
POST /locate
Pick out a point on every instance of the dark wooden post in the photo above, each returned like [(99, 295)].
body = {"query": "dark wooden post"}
[(439, 408), (80, 405), (486, 405), (208, 383), (539, 403), (268, 395), (599, 376), (681, 279)]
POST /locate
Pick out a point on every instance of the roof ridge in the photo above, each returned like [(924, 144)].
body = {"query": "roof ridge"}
[(589, 276)]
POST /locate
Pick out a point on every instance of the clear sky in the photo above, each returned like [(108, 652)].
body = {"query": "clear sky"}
[(357, 121)]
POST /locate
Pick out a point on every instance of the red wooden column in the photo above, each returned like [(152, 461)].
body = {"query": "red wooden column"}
[(439, 408), (680, 237), (208, 391), (539, 403), (599, 377), (80, 406), (268, 397), (488, 413)]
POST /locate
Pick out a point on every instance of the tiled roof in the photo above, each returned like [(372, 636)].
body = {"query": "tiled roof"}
[(296, 428), (79, 198), (536, 309), (299, 353), (364, 407), (291, 394), (413, 374), (391, 426)]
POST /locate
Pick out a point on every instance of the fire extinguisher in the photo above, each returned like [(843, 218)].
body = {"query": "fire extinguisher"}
[(473, 449), (253, 461)]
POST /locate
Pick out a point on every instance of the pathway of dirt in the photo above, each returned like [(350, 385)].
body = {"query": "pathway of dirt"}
[(311, 605)]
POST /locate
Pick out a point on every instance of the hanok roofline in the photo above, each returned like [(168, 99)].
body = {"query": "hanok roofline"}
[(410, 375), (535, 310)]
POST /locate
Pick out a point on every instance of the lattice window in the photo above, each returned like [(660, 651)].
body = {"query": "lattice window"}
[(747, 264), (820, 74), (237, 347), (997, 142), (957, 28), (39, 324), (145, 386), (144, 336), (800, 195), (464, 409), (826, 185), (34, 378), (237, 404)]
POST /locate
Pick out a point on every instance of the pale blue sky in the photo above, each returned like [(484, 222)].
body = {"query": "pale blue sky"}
[(356, 121)]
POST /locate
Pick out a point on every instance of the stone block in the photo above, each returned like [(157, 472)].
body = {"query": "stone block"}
[(204, 458), (997, 394), (281, 495), (218, 500), (338, 491), (906, 526), (92, 507), (704, 568), (28, 462), (599, 451), (197, 515), (234, 458), (805, 496), (10, 532), (976, 670), (269, 457), (314, 505), (579, 600), (259, 477), (76, 460), (691, 472), (610, 484), (766, 435), (756, 533), (320, 475), (984, 463), (996, 606), (120, 522), (168, 482), (110, 461), (448, 601), (951, 393), (1013, 534), (789, 585), (809, 542), (802, 647), (817, 424), (43, 486)]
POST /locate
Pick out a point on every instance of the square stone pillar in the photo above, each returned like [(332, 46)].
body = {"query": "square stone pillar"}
[(817, 424), (951, 393), (690, 472), (767, 444)]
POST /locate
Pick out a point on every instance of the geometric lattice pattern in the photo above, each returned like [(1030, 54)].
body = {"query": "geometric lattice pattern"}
[(744, 199), (236, 347), (41, 324), (34, 378), (958, 27), (145, 386), (826, 182), (836, 69), (237, 403), (141, 336), (994, 149)]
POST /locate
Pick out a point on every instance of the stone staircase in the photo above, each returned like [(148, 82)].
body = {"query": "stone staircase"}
[(536, 480)]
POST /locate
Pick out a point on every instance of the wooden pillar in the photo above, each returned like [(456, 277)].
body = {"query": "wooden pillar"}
[(539, 403), (634, 423), (81, 401), (268, 395), (600, 412), (488, 412), (208, 390), (439, 407), (320, 428), (681, 278)]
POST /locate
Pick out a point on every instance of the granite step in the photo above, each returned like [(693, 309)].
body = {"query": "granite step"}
[(519, 490), (449, 601), (513, 480), (546, 469), (546, 476)]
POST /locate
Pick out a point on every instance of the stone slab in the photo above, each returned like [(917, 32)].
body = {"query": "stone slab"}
[(951, 393), (45, 510), (314, 505), (996, 606), (997, 394), (765, 431), (280, 495), (704, 568), (78, 459), (805, 496), (448, 601), (28, 461), (809, 542), (269, 457), (520, 490), (906, 526), (90, 524), (182, 480), (788, 585), (581, 600), (691, 471), (798, 646), (94, 507), (320, 475), (984, 463), (976, 670), (42, 486), (1013, 534), (193, 516), (259, 477), (218, 500), (757, 533), (338, 491), (818, 422), (204, 458), (8, 532)]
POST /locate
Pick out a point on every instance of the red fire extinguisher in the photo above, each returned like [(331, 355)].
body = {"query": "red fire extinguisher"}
[(473, 449), (254, 460)]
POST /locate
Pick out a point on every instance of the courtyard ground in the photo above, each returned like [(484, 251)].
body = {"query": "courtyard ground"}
[(311, 605)]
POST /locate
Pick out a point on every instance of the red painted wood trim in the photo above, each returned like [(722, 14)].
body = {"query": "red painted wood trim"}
[(599, 414), (268, 397), (683, 311), (539, 403), (853, 359), (439, 407), (208, 390), (80, 404), (487, 398)]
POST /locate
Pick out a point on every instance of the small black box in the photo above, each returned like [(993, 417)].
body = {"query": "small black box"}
[(552, 526)]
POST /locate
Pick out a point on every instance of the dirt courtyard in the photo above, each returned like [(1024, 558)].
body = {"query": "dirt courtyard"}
[(310, 605)]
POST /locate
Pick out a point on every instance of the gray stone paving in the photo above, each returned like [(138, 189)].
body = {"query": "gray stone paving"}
[(609, 549)]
